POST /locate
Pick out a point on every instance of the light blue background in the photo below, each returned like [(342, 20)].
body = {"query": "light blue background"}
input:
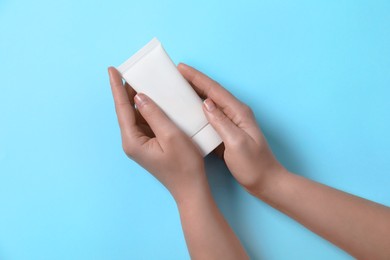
[(316, 73)]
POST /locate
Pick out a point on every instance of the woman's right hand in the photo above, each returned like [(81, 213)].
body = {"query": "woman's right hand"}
[(320, 208), (246, 152)]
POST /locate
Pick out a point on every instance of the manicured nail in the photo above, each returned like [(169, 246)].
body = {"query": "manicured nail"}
[(209, 104), (140, 99)]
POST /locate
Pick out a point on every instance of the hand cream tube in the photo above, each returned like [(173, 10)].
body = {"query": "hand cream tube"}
[(152, 72)]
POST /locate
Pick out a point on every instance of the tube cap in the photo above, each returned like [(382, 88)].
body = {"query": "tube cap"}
[(207, 139)]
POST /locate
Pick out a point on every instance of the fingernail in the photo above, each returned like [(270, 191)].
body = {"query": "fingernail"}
[(209, 104), (140, 99)]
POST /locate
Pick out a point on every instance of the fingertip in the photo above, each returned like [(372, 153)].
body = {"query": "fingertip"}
[(115, 76), (185, 69), (111, 72), (182, 66), (110, 69)]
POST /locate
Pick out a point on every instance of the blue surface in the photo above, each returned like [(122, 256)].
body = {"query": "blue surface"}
[(316, 73)]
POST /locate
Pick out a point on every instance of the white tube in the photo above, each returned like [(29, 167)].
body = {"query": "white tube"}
[(152, 72)]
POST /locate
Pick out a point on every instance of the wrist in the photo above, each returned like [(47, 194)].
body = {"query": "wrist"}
[(269, 181), (195, 194), (193, 189)]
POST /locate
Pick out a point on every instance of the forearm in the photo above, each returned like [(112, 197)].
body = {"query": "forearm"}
[(359, 226), (207, 233)]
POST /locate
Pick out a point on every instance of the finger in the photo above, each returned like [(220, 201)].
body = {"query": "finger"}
[(124, 108), (130, 93), (140, 119), (207, 87), (158, 121), (226, 129)]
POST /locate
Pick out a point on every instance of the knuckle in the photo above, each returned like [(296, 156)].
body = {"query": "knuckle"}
[(172, 136), (169, 138), (128, 149), (212, 89), (237, 142), (148, 108), (121, 105), (220, 117), (196, 78), (151, 112), (246, 111)]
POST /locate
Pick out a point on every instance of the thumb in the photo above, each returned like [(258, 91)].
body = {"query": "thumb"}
[(158, 121), (226, 129)]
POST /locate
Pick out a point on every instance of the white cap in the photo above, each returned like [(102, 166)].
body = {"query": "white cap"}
[(207, 139)]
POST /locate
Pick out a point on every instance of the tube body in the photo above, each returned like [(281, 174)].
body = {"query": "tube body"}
[(152, 72)]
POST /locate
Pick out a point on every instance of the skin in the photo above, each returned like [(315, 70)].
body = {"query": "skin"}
[(154, 142), (358, 226)]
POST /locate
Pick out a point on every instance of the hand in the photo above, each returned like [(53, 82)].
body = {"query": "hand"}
[(151, 139), (246, 152), (320, 208)]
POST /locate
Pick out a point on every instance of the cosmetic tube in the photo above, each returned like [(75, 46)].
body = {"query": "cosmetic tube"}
[(152, 72)]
